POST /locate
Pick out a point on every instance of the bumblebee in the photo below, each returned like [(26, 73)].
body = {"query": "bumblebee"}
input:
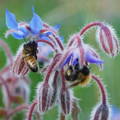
[(78, 75), (30, 55)]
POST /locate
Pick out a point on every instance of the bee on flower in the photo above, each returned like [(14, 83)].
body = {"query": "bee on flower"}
[(35, 32)]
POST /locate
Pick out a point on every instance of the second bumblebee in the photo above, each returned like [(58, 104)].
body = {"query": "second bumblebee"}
[(77, 75)]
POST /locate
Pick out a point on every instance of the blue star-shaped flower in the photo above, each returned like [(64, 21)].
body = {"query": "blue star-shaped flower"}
[(22, 30)]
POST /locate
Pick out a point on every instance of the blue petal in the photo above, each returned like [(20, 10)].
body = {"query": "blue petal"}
[(75, 61), (36, 23), (44, 37), (57, 27), (33, 9), (47, 33), (11, 20), (24, 30), (92, 59), (18, 35), (67, 60)]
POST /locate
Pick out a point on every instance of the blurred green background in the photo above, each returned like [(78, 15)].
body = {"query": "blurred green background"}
[(72, 15)]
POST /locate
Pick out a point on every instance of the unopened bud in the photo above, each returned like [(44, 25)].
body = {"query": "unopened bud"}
[(44, 96), (65, 101), (108, 40), (101, 112)]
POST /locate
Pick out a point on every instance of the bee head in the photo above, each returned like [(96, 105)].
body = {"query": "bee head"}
[(71, 73), (30, 46)]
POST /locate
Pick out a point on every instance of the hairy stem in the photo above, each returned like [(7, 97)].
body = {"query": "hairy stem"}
[(51, 67), (6, 87), (63, 80), (31, 109), (5, 70), (88, 26), (102, 89), (17, 109), (56, 37), (7, 51)]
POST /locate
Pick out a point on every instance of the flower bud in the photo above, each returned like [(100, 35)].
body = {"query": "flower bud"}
[(65, 101), (44, 96), (108, 40), (101, 112), (55, 88)]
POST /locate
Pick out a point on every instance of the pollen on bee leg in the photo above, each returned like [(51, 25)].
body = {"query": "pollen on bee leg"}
[(85, 81)]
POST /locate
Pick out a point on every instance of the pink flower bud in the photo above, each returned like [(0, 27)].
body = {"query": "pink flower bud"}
[(65, 101), (101, 112), (44, 96), (108, 40), (55, 88)]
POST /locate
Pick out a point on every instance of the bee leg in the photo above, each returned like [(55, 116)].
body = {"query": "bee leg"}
[(74, 84), (75, 111)]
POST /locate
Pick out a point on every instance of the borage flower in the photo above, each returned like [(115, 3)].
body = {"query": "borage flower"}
[(33, 30), (36, 30), (77, 58), (24, 30)]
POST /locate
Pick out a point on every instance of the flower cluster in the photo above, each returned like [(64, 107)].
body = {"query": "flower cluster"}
[(68, 67)]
